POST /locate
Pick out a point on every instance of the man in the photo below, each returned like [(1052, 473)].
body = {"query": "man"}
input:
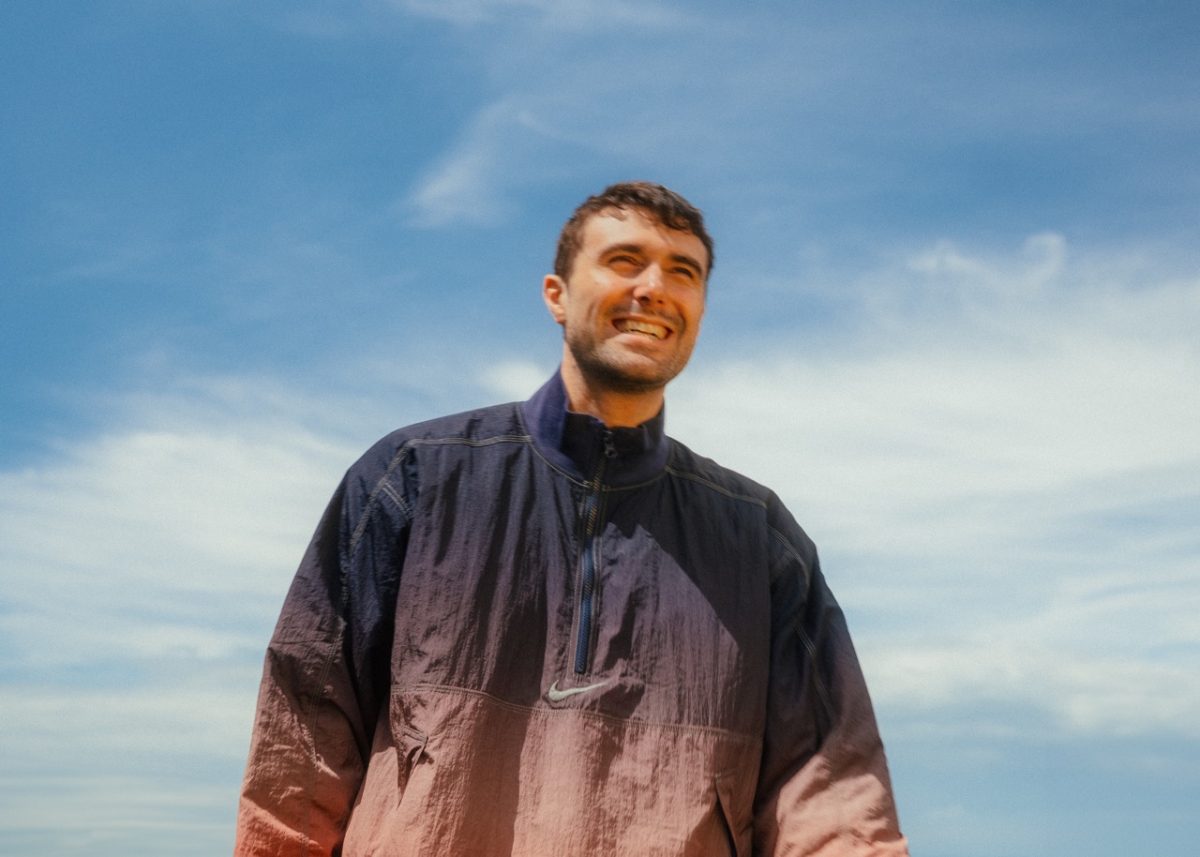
[(548, 629)]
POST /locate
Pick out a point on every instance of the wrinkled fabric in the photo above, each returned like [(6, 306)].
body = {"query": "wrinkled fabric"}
[(518, 632)]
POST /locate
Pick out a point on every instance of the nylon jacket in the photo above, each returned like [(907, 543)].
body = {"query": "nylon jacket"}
[(516, 631)]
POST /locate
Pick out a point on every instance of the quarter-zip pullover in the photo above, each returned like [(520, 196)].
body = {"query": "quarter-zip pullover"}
[(517, 631)]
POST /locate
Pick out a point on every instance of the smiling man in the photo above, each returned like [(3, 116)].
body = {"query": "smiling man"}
[(629, 293), (547, 628)]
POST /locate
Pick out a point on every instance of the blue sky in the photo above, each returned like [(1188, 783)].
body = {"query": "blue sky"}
[(952, 322)]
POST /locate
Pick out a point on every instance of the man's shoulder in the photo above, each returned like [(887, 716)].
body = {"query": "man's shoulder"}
[(479, 426), (687, 464), (725, 481)]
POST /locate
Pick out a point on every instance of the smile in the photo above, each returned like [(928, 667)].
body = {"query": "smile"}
[(629, 325)]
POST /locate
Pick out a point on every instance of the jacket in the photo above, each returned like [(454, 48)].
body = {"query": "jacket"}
[(517, 631)]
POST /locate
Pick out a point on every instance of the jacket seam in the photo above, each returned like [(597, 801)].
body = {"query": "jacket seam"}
[(372, 503), (563, 473), (527, 440), (383, 486), (789, 548), (609, 488), (536, 451), (315, 761), (595, 715), (822, 691), (720, 489), (467, 441), (810, 648), (390, 490)]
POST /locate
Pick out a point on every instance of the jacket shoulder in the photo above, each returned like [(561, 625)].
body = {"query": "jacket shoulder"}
[(477, 426), (686, 464), (786, 532)]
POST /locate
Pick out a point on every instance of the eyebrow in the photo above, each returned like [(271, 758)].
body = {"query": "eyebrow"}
[(682, 258)]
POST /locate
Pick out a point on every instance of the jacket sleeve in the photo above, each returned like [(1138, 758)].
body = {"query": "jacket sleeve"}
[(824, 789), (326, 674)]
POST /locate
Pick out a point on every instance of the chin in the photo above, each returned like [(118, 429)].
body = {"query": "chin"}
[(630, 379), (622, 371)]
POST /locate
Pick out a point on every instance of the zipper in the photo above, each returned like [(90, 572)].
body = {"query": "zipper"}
[(589, 560)]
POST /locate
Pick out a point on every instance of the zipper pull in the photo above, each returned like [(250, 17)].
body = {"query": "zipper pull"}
[(610, 448)]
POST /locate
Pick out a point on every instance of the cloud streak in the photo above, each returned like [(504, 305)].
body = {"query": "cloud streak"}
[(565, 16)]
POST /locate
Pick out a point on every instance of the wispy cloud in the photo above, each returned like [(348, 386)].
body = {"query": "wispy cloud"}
[(161, 541), (466, 186), (566, 15), (141, 571), (506, 147), (816, 101)]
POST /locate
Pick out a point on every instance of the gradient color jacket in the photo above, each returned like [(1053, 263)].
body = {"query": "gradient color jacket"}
[(518, 632)]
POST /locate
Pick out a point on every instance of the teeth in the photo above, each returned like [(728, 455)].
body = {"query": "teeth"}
[(631, 326)]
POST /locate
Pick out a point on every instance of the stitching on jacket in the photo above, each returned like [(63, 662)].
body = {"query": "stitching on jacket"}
[(789, 548), (334, 646), (492, 441), (368, 509), (720, 489), (316, 716), (466, 441), (582, 483), (382, 487), (822, 691), (520, 412), (569, 477), (387, 488), (609, 489), (594, 715), (805, 640)]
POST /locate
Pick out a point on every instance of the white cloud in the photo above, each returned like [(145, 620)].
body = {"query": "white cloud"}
[(168, 533), (515, 379), (109, 813), (1003, 378)]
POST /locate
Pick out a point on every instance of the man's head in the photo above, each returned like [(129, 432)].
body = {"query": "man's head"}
[(628, 289), (660, 203)]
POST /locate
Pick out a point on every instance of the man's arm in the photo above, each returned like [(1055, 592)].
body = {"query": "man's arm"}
[(824, 789), (326, 673)]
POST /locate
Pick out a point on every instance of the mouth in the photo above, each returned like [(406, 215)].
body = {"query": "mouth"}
[(643, 328)]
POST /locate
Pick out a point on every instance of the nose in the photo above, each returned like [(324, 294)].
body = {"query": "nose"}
[(649, 285)]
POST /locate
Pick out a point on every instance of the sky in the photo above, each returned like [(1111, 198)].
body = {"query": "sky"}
[(952, 322)]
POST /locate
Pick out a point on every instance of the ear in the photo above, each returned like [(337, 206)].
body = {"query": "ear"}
[(554, 293)]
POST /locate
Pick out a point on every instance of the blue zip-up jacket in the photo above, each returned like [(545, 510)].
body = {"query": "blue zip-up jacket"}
[(517, 631)]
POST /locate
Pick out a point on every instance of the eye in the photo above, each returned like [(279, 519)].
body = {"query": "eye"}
[(625, 263)]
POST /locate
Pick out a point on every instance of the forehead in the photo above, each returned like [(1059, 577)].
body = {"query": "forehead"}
[(615, 226)]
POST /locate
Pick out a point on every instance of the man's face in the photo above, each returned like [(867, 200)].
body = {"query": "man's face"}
[(632, 305)]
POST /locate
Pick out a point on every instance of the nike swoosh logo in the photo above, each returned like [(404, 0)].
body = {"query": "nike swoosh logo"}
[(555, 695)]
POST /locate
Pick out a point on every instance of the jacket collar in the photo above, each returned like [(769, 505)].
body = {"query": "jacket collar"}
[(577, 443)]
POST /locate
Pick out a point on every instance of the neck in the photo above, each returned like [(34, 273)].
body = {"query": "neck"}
[(616, 409)]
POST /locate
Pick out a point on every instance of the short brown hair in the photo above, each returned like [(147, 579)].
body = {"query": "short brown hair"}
[(664, 204)]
